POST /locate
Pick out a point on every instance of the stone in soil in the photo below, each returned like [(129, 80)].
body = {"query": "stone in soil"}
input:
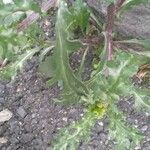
[(21, 112), (5, 115), (3, 140)]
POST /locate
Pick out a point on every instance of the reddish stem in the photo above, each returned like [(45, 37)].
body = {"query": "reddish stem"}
[(109, 30), (112, 10), (34, 16), (119, 4)]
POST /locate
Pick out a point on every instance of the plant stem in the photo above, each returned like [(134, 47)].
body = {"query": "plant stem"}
[(34, 16), (82, 62), (109, 30), (119, 4), (112, 10)]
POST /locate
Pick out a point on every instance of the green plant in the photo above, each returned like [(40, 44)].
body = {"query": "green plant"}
[(109, 81), (111, 76), (16, 47)]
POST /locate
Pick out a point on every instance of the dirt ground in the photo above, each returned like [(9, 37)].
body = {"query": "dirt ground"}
[(36, 118)]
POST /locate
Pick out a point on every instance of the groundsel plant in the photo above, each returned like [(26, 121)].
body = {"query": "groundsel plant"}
[(115, 63)]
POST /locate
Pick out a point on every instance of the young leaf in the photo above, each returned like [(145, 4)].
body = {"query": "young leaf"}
[(142, 99), (60, 69), (27, 4), (69, 138), (11, 69), (143, 42), (80, 14), (124, 135)]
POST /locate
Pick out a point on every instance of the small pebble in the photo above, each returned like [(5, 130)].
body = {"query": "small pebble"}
[(148, 139), (106, 142), (138, 147), (147, 114), (136, 126), (33, 115), (101, 123), (81, 115), (144, 128), (136, 121), (64, 119), (18, 90), (21, 112), (5, 115), (3, 140)]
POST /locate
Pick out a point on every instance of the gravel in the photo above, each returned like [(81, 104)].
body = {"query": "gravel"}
[(21, 112)]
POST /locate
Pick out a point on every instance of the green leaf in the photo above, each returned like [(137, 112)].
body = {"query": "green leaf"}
[(15, 47), (12, 18), (59, 68), (118, 83), (142, 99), (80, 14), (19, 5), (124, 66), (1, 52), (11, 70), (144, 53), (6, 9), (27, 4), (143, 42), (48, 67), (69, 138), (11, 43), (120, 131)]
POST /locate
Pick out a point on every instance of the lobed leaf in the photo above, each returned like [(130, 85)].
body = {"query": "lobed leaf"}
[(124, 135), (70, 137), (59, 68), (80, 14)]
